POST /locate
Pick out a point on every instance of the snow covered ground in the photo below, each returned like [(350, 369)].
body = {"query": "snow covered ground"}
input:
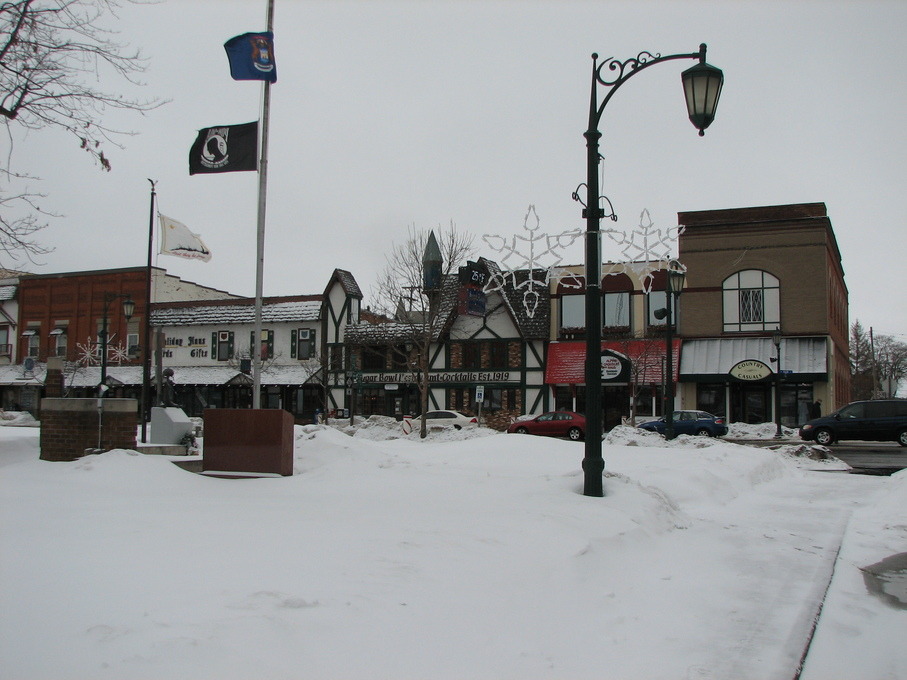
[(468, 555)]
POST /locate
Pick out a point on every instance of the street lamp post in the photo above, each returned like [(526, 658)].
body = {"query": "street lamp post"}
[(676, 278), (776, 339), (702, 86), (128, 311)]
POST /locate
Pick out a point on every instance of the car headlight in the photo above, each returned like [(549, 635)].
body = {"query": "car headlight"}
[(807, 427)]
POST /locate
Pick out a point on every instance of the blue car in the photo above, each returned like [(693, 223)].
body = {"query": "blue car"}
[(690, 422)]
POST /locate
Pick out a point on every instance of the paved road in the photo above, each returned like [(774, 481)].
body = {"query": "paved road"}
[(880, 457)]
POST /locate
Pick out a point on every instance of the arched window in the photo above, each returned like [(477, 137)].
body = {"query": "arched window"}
[(751, 302)]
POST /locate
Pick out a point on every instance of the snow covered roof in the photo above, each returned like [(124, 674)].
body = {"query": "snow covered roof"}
[(200, 314), (530, 327), (348, 281)]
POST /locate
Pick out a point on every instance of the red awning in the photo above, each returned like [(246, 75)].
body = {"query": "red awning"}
[(566, 360)]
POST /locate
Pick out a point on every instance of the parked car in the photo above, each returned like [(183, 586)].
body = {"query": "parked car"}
[(553, 424), (878, 420), (690, 422), (454, 418)]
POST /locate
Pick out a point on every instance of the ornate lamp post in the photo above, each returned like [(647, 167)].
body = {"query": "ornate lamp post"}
[(776, 340), (676, 279), (128, 311), (702, 86)]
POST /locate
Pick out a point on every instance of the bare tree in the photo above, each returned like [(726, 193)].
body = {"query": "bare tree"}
[(419, 314), (891, 362), (862, 380), (53, 53)]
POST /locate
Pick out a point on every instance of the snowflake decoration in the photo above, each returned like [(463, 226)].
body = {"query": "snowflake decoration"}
[(117, 354), (541, 247), (645, 251), (89, 354)]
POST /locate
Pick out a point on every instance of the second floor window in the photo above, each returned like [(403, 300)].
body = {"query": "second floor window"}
[(222, 345), (267, 343), (751, 301), (616, 310), (658, 299), (573, 311), (302, 343), (60, 344)]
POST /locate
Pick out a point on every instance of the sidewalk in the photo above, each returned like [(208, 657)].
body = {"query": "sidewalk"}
[(865, 609)]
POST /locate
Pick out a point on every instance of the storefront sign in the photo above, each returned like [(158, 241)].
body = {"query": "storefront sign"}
[(615, 367), (444, 377), (749, 370)]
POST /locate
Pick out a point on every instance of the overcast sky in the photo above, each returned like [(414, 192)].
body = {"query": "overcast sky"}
[(392, 114)]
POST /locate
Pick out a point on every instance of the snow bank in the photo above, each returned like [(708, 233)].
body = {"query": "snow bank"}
[(467, 554), (17, 419)]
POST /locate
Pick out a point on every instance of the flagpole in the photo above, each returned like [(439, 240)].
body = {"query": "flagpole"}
[(146, 341), (262, 203)]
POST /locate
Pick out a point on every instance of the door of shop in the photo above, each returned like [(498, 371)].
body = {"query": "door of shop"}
[(750, 403)]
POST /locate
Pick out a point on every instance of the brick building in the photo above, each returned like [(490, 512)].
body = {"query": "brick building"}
[(750, 272)]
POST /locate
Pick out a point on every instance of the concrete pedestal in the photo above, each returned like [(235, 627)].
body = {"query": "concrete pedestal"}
[(169, 425)]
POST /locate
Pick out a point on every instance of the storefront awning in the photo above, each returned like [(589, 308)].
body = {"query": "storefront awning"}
[(566, 360), (716, 356)]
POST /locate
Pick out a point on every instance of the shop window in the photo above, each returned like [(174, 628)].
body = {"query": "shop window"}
[(573, 311), (616, 310), (302, 343), (499, 399), (710, 397), (472, 355), (751, 302), (267, 343), (498, 355), (32, 337), (335, 358), (373, 358), (222, 345), (58, 341), (658, 299)]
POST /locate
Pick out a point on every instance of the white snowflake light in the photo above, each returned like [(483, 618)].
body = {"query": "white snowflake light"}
[(88, 354), (530, 253), (645, 250)]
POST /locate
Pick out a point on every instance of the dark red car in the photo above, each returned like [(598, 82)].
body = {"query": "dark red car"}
[(553, 424)]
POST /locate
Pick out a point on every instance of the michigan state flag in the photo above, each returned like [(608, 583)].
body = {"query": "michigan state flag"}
[(226, 148), (251, 56)]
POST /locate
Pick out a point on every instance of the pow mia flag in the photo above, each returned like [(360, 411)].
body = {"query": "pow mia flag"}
[(225, 148)]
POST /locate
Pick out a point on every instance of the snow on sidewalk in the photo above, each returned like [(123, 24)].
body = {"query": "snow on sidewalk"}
[(465, 556)]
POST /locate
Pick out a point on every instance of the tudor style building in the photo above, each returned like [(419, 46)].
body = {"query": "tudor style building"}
[(486, 340)]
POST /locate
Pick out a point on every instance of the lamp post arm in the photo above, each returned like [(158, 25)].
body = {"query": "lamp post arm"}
[(624, 71)]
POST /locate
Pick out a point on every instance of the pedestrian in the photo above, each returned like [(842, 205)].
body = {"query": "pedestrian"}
[(816, 410)]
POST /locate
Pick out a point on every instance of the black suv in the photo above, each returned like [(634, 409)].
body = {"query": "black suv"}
[(879, 420)]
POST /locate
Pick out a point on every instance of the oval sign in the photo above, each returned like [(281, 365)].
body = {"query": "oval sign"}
[(750, 369)]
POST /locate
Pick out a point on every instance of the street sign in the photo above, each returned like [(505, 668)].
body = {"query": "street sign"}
[(480, 393)]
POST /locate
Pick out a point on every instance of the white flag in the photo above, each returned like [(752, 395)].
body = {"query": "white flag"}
[(176, 239)]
